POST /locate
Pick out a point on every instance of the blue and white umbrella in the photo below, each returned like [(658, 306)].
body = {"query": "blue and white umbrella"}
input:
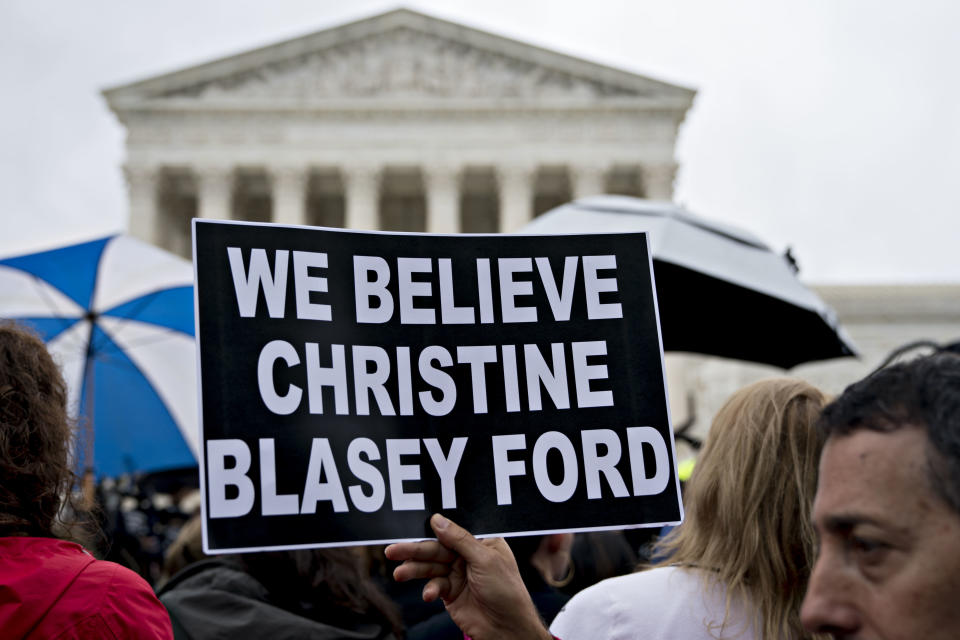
[(117, 315)]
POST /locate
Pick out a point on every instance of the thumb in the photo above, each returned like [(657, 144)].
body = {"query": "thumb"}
[(455, 537)]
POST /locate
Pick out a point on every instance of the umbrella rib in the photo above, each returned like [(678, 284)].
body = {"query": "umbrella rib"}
[(44, 295), (104, 358), (161, 330), (76, 344), (142, 303), (686, 220)]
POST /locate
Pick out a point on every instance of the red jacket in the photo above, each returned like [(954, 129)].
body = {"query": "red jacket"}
[(55, 589)]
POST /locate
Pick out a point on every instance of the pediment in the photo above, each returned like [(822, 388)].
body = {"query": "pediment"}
[(402, 55), (402, 63)]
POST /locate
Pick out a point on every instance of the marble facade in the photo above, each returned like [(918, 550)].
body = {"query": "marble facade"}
[(400, 122)]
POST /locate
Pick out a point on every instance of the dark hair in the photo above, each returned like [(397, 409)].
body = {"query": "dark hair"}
[(36, 477), (316, 583), (924, 393), (309, 581)]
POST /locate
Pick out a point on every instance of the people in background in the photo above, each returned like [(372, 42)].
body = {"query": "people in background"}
[(736, 568), (51, 587), (304, 593)]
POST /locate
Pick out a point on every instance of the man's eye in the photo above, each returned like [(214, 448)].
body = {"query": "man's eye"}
[(862, 544), (868, 549)]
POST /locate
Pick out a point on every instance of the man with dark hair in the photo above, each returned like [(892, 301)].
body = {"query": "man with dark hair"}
[(887, 510)]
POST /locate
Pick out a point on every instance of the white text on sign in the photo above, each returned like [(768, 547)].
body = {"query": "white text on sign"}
[(599, 451)]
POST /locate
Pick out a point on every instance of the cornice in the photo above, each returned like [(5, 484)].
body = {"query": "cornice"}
[(922, 303), (672, 108), (130, 95)]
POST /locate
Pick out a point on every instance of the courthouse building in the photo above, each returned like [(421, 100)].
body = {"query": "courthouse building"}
[(403, 121)]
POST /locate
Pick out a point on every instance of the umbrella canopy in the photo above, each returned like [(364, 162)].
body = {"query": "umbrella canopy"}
[(117, 315), (721, 291)]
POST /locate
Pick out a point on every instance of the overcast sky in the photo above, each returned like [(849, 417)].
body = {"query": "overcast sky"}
[(832, 126)]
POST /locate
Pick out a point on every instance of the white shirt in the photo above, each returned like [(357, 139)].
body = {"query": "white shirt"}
[(667, 603)]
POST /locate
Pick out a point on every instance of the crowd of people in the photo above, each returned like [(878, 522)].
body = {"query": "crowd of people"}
[(806, 517)]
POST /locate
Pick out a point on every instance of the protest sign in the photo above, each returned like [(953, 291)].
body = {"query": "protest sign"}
[(352, 384)]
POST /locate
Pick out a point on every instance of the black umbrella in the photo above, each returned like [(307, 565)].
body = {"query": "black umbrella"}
[(721, 291)]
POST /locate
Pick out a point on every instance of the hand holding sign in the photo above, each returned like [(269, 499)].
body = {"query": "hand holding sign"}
[(478, 581)]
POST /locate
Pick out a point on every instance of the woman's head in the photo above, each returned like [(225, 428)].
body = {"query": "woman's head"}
[(35, 433), (748, 501)]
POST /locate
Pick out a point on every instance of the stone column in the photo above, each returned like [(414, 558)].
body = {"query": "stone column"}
[(588, 180), (361, 193), (214, 192), (443, 199), (516, 196), (143, 188), (658, 180), (289, 186)]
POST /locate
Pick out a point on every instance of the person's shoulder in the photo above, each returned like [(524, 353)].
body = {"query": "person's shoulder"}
[(43, 554), (597, 609), (127, 603), (628, 606), (67, 593), (209, 579), (629, 585), (113, 578)]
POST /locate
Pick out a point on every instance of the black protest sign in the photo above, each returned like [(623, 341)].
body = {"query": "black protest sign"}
[(354, 383)]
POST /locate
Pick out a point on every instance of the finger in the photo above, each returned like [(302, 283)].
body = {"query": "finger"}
[(436, 588), (452, 535), (500, 546), (411, 570), (428, 551)]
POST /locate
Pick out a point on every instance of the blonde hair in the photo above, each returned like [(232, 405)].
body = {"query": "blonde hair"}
[(748, 504)]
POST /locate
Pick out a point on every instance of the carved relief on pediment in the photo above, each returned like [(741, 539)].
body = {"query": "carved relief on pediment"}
[(403, 63)]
